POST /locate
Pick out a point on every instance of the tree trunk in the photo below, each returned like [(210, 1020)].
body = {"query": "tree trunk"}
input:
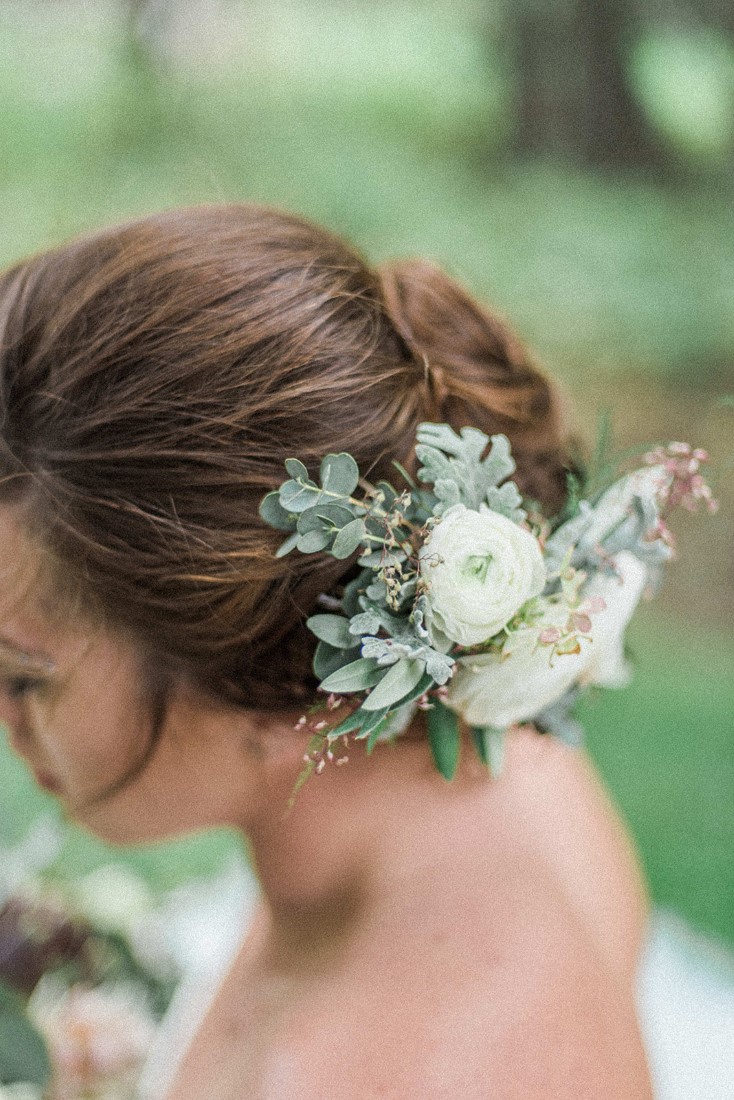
[(574, 99)]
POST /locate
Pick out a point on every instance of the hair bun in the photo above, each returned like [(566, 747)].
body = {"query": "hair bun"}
[(477, 371)]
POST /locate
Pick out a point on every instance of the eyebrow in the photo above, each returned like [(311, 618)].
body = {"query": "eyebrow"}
[(14, 656)]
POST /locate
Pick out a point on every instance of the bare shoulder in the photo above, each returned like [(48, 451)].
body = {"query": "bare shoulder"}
[(568, 818)]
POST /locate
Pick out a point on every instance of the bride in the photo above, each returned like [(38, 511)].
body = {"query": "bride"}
[(416, 938)]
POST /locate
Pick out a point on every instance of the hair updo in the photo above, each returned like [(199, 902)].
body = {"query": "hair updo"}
[(155, 376)]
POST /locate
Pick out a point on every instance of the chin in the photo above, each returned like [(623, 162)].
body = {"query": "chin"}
[(128, 829)]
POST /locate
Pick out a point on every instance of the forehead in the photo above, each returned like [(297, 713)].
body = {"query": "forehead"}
[(27, 618)]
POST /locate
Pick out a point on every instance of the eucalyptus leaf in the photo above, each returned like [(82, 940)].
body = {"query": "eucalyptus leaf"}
[(371, 560), (327, 659), (389, 494), (289, 544), (356, 676), (296, 469), (274, 514), (398, 681), (313, 541), (333, 629), (340, 474), (444, 739), (349, 539), (297, 497), (325, 517)]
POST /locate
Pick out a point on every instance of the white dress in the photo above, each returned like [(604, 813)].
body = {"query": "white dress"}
[(685, 992)]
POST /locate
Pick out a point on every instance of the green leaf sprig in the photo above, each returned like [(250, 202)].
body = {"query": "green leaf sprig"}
[(378, 654)]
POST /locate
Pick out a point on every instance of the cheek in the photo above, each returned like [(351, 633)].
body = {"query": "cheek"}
[(89, 739)]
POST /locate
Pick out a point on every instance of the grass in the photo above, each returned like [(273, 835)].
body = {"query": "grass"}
[(666, 749)]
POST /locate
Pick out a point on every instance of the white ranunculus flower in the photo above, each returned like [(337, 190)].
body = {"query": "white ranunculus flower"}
[(489, 691), (481, 568)]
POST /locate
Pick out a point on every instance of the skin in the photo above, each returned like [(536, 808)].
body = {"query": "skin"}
[(416, 939)]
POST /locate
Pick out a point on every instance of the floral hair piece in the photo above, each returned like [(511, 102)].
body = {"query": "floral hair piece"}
[(469, 604)]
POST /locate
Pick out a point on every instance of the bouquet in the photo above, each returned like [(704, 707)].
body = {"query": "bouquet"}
[(468, 602)]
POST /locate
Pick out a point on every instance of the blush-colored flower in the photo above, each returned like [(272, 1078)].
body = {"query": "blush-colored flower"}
[(489, 690)]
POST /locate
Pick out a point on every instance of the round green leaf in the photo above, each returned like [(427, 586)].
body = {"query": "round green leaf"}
[(326, 517), (287, 546), (349, 539), (340, 474), (295, 497), (296, 469), (273, 512), (313, 541), (399, 680)]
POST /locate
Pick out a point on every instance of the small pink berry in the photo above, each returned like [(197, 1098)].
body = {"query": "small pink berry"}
[(594, 605)]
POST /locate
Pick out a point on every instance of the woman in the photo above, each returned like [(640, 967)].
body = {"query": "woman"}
[(416, 938)]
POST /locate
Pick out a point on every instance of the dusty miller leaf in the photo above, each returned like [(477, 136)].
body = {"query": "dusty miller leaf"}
[(507, 501), (472, 475)]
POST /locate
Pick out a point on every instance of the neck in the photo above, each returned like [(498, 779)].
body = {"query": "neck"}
[(363, 839)]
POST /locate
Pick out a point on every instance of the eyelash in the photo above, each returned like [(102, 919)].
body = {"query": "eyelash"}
[(17, 687)]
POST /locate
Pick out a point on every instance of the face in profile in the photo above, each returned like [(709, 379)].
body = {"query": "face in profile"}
[(76, 709)]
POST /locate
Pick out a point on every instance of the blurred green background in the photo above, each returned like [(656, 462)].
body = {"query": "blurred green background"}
[(570, 160)]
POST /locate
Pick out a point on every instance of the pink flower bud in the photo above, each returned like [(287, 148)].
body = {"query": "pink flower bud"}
[(594, 605), (549, 636)]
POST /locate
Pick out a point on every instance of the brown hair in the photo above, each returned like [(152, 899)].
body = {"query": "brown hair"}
[(153, 379)]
